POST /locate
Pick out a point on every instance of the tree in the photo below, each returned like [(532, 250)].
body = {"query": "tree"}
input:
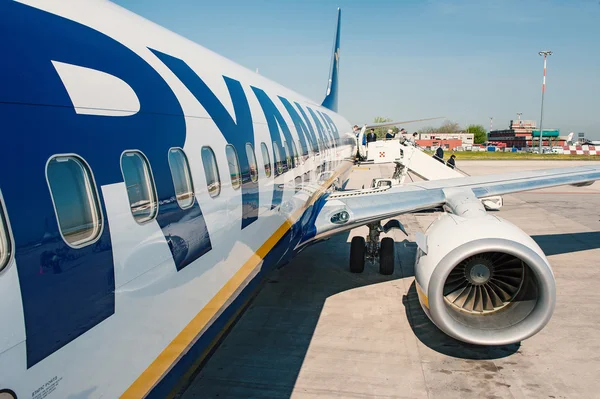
[(450, 127), (479, 133), (381, 131), (447, 127)]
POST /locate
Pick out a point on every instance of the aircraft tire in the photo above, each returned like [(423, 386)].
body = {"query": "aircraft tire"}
[(357, 254), (386, 256)]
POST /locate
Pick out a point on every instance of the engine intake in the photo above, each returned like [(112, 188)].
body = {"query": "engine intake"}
[(484, 281)]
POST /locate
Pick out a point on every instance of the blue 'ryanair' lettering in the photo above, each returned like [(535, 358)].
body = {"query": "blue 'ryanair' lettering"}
[(330, 128), (326, 129), (334, 128), (311, 131), (51, 275), (274, 122), (237, 132), (304, 133), (320, 128)]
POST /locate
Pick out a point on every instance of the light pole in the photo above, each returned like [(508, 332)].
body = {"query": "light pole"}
[(545, 53), (491, 119)]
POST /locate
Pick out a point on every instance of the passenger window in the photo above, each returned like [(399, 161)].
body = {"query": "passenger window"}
[(75, 200), (303, 148), (288, 157), (252, 162), (5, 243), (211, 171), (182, 178), (266, 159), (296, 157), (140, 186), (278, 159), (234, 166)]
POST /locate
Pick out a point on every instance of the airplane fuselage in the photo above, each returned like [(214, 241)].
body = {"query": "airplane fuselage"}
[(147, 185)]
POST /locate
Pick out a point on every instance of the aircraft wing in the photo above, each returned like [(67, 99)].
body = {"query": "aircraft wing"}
[(385, 124), (367, 206)]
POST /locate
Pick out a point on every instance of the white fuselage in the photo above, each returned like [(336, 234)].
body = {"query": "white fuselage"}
[(160, 310)]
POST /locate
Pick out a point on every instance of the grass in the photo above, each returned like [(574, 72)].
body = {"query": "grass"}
[(485, 155)]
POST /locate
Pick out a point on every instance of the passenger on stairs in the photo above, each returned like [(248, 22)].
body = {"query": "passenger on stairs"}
[(371, 136), (413, 139), (451, 163), (439, 154)]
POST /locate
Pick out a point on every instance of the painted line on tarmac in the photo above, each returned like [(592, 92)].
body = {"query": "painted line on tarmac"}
[(559, 192)]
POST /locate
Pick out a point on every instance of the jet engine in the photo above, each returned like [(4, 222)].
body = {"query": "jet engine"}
[(482, 280)]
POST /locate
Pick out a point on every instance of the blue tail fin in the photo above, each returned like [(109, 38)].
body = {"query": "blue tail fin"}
[(331, 97)]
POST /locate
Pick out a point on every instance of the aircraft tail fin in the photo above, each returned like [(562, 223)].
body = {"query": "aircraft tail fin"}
[(331, 97)]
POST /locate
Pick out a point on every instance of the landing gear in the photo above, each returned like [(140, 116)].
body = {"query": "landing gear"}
[(373, 250), (386, 256), (357, 254)]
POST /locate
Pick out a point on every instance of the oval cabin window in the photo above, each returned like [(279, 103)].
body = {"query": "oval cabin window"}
[(182, 178), (266, 159), (5, 241), (211, 171), (234, 166), (279, 161), (139, 182), (252, 162), (75, 200)]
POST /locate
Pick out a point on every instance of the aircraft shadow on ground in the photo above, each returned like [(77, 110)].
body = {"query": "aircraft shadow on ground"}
[(556, 244), (263, 353), (435, 339)]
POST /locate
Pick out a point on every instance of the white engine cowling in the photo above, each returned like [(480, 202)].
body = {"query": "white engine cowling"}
[(484, 281)]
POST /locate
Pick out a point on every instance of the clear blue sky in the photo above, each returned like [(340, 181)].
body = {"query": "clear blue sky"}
[(466, 60)]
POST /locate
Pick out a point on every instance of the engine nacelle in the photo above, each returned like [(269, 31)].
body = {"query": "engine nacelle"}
[(482, 280)]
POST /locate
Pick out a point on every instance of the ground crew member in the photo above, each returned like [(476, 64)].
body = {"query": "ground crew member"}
[(390, 134)]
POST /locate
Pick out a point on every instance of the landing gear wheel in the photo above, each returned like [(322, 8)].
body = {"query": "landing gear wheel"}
[(386, 256), (357, 254)]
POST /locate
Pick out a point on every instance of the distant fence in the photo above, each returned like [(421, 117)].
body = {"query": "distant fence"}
[(581, 150)]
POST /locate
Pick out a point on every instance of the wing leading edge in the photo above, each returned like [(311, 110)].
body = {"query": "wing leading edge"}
[(395, 123), (367, 206)]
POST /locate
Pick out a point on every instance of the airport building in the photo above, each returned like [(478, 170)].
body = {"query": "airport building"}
[(524, 133), (447, 144), (465, 138), (448, 141)]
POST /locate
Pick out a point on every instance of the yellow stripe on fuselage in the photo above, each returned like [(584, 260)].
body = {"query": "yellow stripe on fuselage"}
[(171, 354)]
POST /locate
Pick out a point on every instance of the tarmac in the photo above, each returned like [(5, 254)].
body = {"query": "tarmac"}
[(315, 330)]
